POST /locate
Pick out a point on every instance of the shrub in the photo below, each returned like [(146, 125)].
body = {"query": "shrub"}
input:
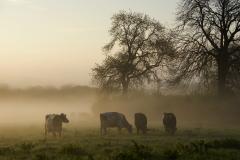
[(75, 150), (224, 144), (135, 152), (43, 156), (6, 150), (27, 146)]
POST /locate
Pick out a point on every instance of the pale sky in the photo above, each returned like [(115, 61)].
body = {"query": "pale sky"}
[(57, 42)]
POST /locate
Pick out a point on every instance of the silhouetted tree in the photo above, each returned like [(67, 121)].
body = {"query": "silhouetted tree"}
[(210, 44), (142, 45)]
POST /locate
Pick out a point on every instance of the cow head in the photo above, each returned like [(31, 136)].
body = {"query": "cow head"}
[(64, 118), (167, 115)]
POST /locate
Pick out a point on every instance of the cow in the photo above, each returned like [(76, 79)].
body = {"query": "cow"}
[(53, 123), (113, 119), (169, 122), (140, 122)]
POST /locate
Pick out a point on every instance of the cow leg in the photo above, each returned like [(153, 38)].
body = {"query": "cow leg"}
[(54, 134), (101, 130), (166, 129), (119, 130), (137, 130), (144, 130), (45, 133), (60, 133), (105, 131)]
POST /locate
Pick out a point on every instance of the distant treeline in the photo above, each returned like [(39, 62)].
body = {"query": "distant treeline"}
[(191, 110), (47, 91)]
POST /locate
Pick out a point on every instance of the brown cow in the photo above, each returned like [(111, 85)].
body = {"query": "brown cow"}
[(140, 122), (170, 122)]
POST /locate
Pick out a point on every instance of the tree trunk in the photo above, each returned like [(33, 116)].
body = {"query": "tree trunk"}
[(222, 63), (125, 86)]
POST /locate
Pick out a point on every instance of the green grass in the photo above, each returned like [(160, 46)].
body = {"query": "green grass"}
[(87, 144)]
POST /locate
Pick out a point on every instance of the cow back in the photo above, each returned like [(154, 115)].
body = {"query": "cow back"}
[(113, 119)]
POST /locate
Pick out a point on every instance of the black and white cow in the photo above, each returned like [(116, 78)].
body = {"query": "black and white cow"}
[(53, 123), (114, 119)]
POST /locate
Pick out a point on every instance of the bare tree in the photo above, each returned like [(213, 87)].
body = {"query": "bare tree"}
[(142, 45), (210, 44)]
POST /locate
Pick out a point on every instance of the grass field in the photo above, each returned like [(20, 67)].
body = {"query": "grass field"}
[(208, 129), (28, 143)]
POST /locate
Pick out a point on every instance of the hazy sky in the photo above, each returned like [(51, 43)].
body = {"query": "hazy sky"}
[(57, 42)]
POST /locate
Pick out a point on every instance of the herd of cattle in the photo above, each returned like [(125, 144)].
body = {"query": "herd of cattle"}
[(53, 122)]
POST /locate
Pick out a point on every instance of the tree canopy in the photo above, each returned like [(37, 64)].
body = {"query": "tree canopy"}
[(141, 45), (209, 46)]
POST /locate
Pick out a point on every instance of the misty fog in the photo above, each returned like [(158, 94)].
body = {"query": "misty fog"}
[(83, 111)]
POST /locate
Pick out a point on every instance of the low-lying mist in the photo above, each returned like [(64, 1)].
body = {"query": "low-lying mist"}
[(29, 106), (83, 105), (29, 111)]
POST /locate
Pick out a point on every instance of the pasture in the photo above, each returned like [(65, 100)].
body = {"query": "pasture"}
[(208, 129), (28, 143)]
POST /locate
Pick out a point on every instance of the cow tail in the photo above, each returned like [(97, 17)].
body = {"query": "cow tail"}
[(45, 125)]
